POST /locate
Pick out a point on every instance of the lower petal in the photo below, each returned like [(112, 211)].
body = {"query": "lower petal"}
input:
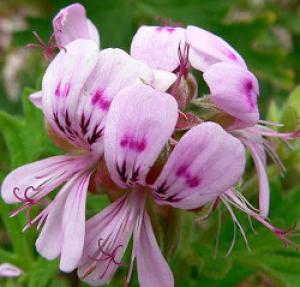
[(73, 224), (107, 237), (35, 180), (153, 270)]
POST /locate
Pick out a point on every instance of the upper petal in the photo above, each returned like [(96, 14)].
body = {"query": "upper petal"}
[(207, 49), (158, 46), (139, 123), (71, 23), (206, 162), (63, 83), (79, 86), (235, 91), (153, 270), (114, 70)]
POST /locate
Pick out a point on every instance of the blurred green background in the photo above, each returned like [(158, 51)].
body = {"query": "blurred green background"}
[(267, 35)]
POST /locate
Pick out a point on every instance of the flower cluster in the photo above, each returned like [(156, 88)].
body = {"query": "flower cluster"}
[(135, 125)]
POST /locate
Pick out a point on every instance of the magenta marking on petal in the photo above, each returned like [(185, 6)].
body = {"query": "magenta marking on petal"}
[(191, 181), (181, 170), (231, 56), (133, 144), (99, 100), (249, 93), (165, 28), (66, 90), (57, 90)]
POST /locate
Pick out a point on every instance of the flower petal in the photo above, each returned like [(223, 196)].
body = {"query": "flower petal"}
[(64, 230), (206, 161), (78, 98), (259, 158), (158, 46), (107, 236), (37, 179), (153, 270), (71, 24), (50, 240), (9, 270), (36, 99), (114, 70), (207, 49), (139, 123), (73, 224), (163, 80), (235, 91), (62, 86)]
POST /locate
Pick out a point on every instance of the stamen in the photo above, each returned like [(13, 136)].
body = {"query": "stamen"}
[(47, 48), (235, 222), (218, 235), (27, 203), (103, 256), (282, 234), (183, 67)]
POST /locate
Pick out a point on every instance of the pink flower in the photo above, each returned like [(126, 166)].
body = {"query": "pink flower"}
[(204, 164), (77, 91), (69, 25), (9, 270), (233, 89)]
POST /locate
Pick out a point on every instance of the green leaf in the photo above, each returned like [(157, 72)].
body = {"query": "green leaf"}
[(43, 272), (294, 100), (25, 137), (289, 119)]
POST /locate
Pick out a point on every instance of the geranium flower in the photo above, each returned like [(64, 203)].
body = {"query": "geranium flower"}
[(78, 88), (204, 163), (234, 90)]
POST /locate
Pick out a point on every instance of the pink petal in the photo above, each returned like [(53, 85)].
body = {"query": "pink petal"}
[(41, 177), (158, 46), (114, 71), (163, 80), (64, 230), (73, 224), (93, 32), (111, 229), (50, 240), (80, 114), (71, 24), (259, 159), (139, 123), (206, 161), (235, 91), (36, 99), (9, 270), (153, 270), (62, 87), (207, 49)]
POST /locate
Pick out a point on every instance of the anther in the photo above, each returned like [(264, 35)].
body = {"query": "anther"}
[(47, 48)]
